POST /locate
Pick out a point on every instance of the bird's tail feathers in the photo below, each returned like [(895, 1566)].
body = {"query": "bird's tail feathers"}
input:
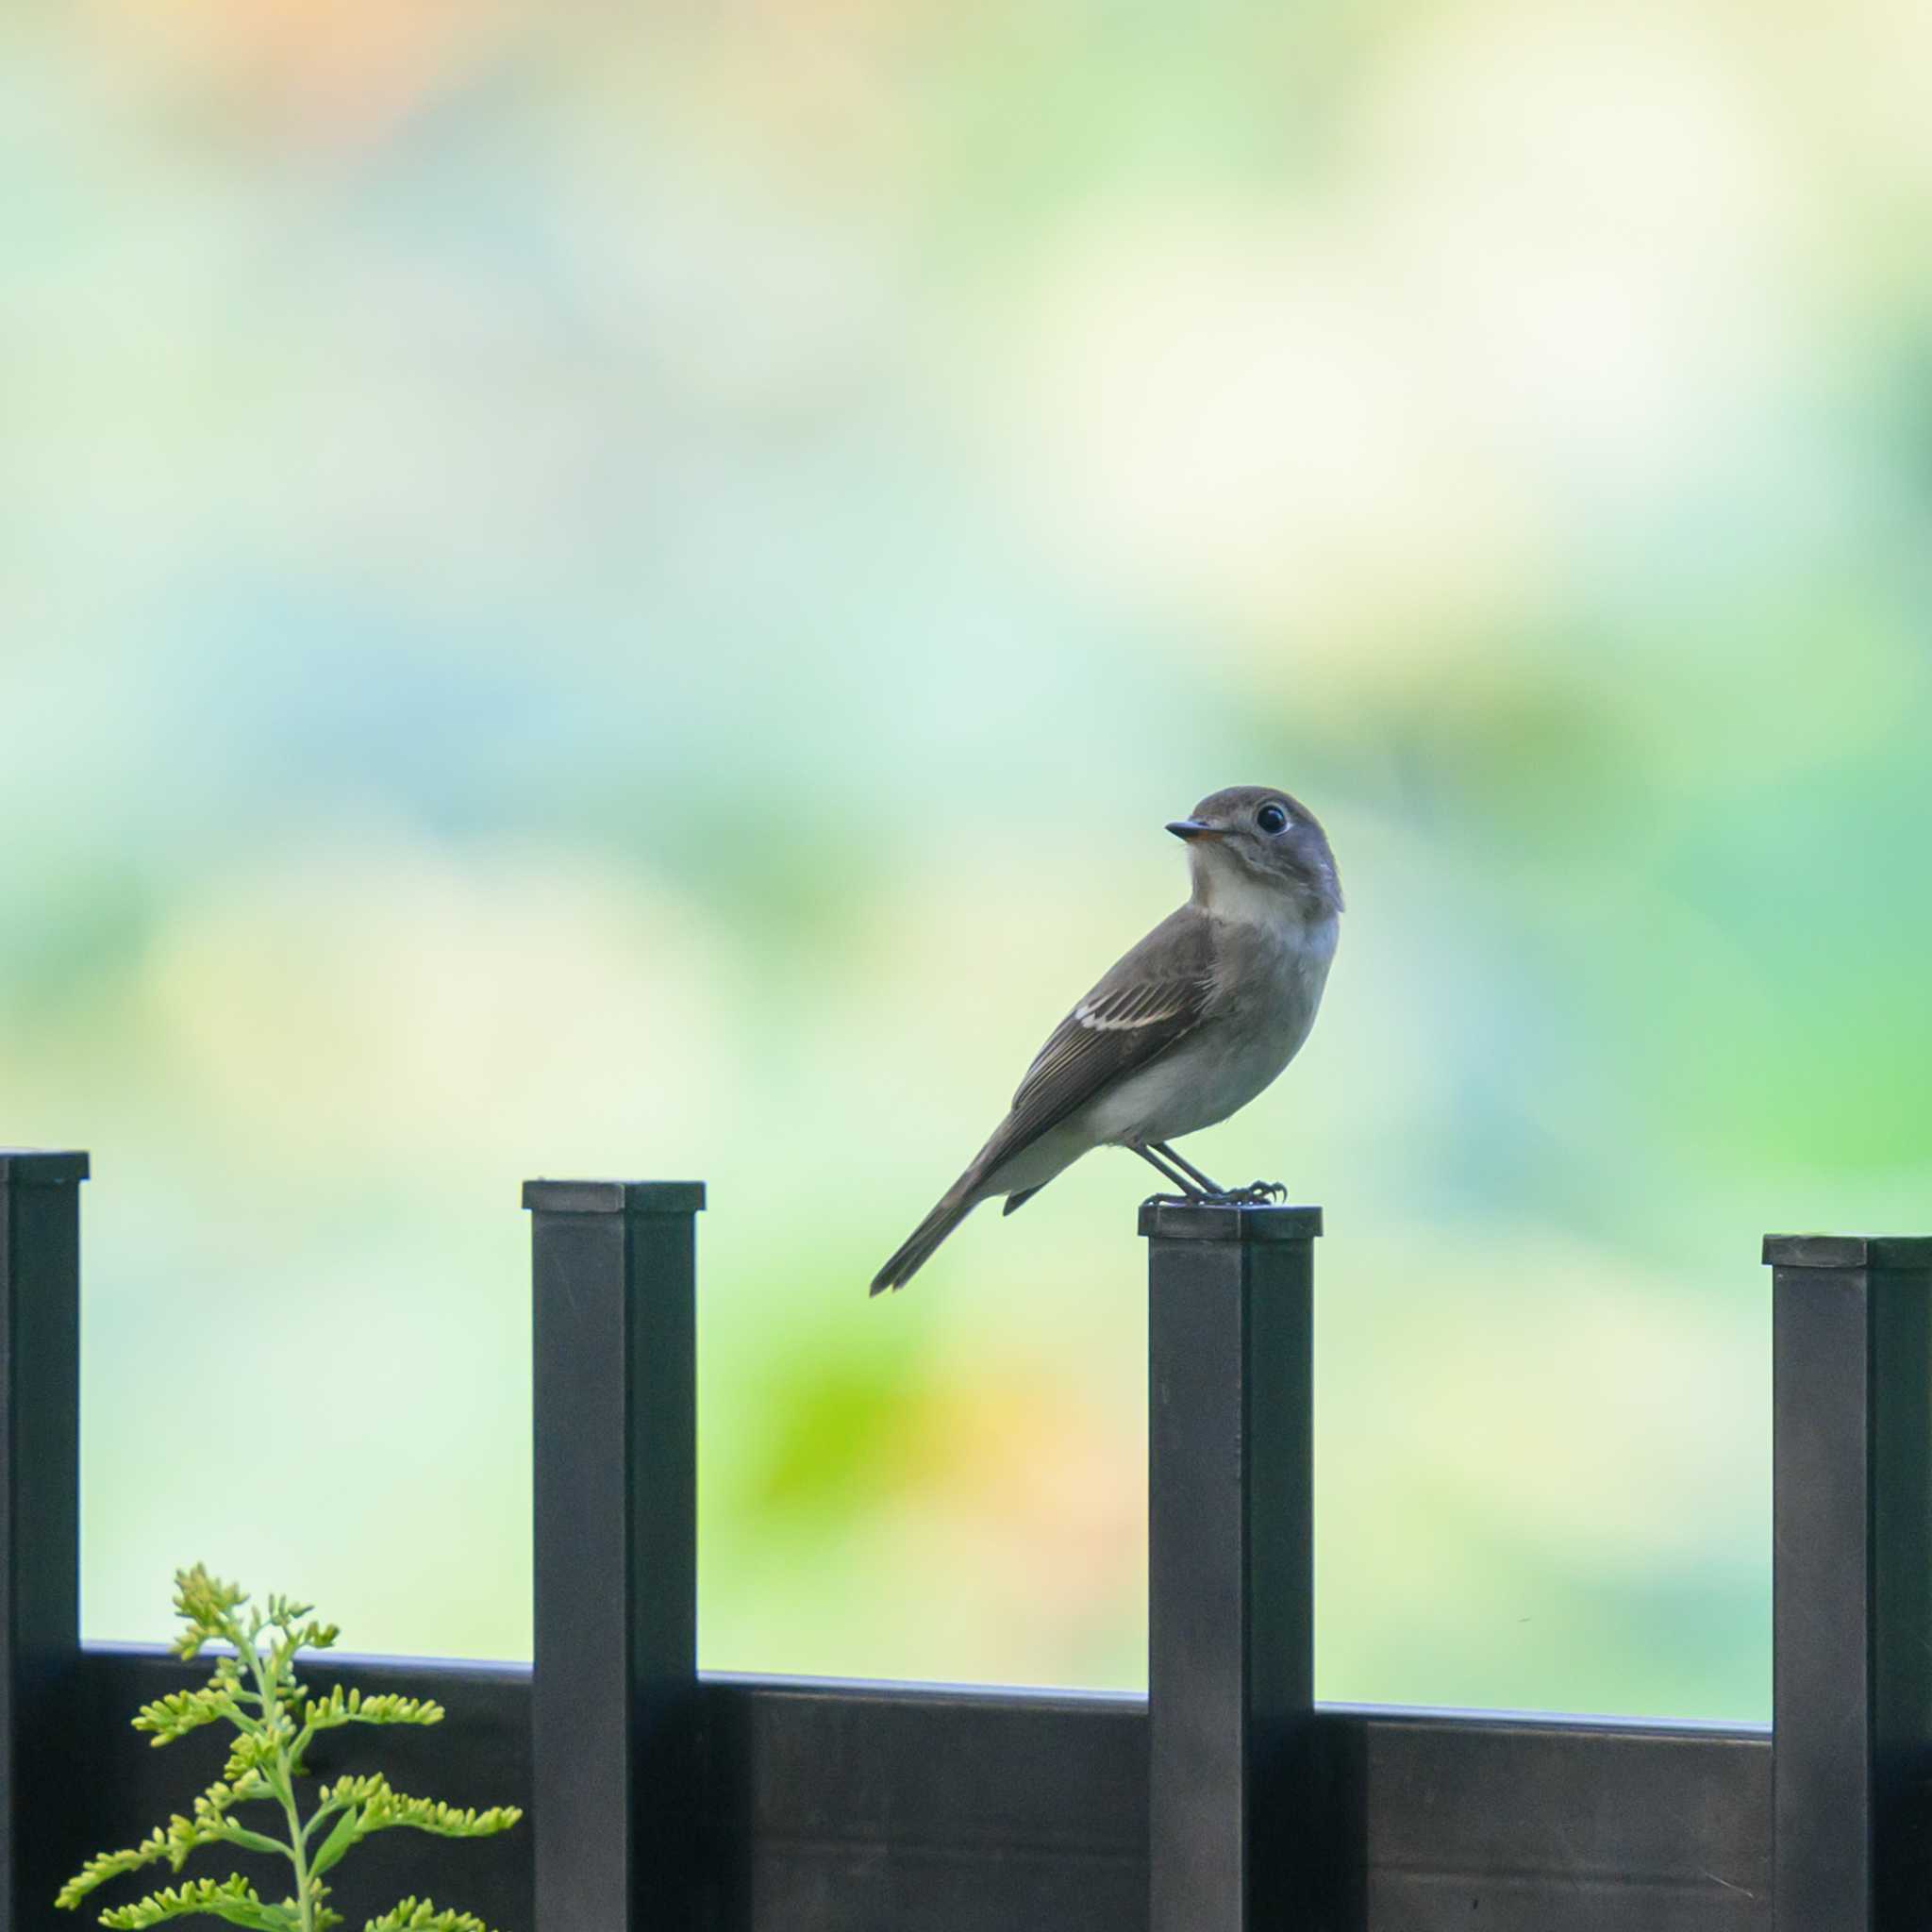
[(917, 1249)]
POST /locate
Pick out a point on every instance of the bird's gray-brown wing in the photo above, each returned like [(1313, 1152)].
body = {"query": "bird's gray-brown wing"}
[(1150, 1002)]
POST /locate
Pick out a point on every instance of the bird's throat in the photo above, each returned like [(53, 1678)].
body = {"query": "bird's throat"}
[(1229, 890)]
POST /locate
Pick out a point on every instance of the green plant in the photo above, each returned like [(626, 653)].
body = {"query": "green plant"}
[(277, 1720)]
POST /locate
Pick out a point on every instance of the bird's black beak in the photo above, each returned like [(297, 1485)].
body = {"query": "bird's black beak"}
[(1192, 829)]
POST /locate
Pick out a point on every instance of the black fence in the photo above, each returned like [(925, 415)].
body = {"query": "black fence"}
[(1227, 1801)]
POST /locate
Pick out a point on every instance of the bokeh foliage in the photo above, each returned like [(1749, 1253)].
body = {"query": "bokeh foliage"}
[(598, 589)]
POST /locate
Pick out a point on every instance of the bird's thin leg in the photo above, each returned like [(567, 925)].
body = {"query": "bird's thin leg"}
[(1188, 1168), (1254, 1194), (1172, 1175)]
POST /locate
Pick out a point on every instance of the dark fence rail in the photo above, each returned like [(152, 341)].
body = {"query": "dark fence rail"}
[(666, 1802)]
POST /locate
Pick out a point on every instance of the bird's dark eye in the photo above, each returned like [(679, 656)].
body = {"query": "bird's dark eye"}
[(1270, 818)]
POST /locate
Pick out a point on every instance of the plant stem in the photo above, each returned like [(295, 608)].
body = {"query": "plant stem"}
[(304, 1903), (284, 1783)]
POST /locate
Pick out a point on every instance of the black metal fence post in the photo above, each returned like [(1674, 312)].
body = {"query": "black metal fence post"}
[(1852, 1582), (614, 1702), (39, 1530), (1230, 1667)]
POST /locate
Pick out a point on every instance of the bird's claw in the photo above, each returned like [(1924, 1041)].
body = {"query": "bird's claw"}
[(1256, 1194)]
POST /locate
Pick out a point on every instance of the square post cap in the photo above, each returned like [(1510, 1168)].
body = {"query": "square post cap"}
[(1227, 1220), (614, 1197), (39, 1167), (1906, 1251)]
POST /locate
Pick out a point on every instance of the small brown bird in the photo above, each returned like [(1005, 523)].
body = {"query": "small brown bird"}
[(1184, 1030)]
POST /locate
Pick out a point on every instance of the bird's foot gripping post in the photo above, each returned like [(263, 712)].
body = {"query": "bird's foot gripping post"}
[(1256, 1194), (1197, 1189), (1237, 1836)]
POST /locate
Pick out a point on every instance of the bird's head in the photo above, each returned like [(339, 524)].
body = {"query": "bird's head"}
[(1255, 839)]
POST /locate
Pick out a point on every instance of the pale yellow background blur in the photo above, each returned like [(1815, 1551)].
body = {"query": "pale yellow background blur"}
[(590, 590)]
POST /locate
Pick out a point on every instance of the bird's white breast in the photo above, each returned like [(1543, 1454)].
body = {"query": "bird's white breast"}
[(1274, 973)]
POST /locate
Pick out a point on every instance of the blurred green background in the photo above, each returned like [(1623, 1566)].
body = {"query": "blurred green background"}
[(592, 589)]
